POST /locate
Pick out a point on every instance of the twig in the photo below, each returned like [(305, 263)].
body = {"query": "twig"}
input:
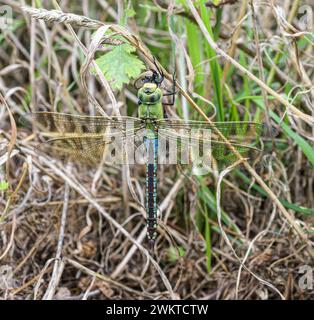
[(90, 287), (105, 278), (60, 17), (294, 110), (306, 118), (234, 39), (83, 192), (142, 235), (58, 265), (30, 282), (225, 236), (260, 63), (141, 47), (148, 56), (12, 136)]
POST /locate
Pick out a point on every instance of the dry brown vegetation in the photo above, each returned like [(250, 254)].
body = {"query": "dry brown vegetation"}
[(75, 231)]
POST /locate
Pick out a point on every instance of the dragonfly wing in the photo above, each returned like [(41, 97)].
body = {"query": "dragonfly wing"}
[(200, 141), (85, 138), (91, 149), (86, 150), (241, 131), (70, 123)]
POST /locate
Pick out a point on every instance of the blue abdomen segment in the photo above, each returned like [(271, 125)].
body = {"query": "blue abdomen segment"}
[(151, 187)]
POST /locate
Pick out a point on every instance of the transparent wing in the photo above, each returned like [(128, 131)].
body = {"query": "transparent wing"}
[(85, 138), (233, 131), (90, 150), (197, 141), (63, 123)]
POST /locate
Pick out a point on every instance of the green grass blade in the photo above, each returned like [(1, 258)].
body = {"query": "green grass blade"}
[(285, 203), (306, 148)]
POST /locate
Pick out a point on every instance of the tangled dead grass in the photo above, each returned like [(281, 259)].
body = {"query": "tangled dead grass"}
[(73, 233)]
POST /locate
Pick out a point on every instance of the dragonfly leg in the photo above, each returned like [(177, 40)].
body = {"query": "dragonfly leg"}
[(162, 76)]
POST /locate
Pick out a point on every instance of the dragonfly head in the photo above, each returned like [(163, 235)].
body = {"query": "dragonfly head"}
[(149, 94)]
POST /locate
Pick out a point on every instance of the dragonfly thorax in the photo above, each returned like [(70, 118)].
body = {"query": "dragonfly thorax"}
[(150, 97), (149, 94)]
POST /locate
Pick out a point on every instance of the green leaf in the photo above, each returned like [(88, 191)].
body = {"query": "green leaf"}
[(4, 185), (119, 65)]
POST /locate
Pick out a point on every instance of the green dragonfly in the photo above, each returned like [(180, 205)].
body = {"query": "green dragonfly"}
[(92, 138)]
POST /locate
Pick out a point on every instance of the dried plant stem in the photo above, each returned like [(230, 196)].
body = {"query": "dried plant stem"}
[(234, 39), (294, 110), (58, 265), (142, 235), (105, 278), (225, 236), (13, 135), (84, 193), (261, 182), (14, 193), (293, 11), (146, 53), (31, 281), (260, 62), (81, 21), (60, 17)]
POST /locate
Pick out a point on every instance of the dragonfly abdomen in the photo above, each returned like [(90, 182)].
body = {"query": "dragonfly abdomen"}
[(151, 187)]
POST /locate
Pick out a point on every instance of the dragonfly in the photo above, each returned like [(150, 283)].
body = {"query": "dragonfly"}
[(90, 138)]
